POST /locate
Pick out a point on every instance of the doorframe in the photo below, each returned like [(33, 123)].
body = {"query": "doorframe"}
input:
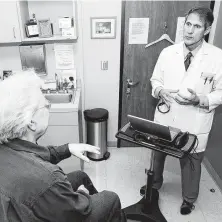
[(215, 6), (122, 42)]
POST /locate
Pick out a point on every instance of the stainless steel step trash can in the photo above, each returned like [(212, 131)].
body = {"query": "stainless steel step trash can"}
[(96, 132)]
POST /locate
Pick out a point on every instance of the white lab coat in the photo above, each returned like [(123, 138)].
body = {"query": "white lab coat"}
[(170, 73)]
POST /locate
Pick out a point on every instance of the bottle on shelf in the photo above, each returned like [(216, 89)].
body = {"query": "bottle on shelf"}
[(31, 27)]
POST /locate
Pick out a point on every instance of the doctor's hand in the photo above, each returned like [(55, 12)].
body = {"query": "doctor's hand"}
[(79, 149), (192, 99), (167, 95)]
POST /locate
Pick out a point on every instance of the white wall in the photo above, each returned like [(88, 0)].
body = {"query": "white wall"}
[(10, 58), (101, 88)]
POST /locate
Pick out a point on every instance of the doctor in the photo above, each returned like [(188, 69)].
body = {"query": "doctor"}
[(188, 81)]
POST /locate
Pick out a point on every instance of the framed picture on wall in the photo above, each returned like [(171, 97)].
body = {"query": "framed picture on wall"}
[(45, 28), (103, 27)]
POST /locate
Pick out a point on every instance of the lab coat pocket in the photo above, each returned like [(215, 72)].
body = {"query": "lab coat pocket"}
[(205, 84), (203, 122)]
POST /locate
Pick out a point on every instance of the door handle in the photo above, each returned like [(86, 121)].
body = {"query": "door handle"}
[(130, 83)]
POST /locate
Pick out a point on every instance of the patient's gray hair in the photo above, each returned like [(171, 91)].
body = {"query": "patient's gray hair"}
[(19, 99)]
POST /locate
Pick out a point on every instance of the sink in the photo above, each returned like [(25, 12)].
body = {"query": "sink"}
[(60, 97)]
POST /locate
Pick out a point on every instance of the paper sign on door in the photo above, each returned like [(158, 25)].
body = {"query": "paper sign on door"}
[(138, 30)]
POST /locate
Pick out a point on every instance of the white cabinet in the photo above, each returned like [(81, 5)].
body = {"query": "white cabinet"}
[(65, 126), (9, 22), (64, 123), (61, 129)]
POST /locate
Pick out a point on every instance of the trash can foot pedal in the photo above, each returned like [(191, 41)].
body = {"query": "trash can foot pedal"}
[(106, 155)]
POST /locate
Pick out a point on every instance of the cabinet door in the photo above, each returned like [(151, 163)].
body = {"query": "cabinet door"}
[(9, 22), (63, 119), (59, 135)]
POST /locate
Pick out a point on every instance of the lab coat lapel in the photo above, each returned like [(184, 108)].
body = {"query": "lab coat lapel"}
[(194, 71), (196, 63), (180, 60), (206, 65)]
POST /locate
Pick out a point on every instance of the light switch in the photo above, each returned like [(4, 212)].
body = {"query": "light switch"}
[(104, 65)]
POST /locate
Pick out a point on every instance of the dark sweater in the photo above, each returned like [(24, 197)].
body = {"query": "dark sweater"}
[(34, 189)]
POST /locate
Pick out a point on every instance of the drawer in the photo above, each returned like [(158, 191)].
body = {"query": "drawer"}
[(63, 119)]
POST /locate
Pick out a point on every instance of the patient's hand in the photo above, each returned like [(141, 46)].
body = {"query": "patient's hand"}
[(82, 187), (78, 150)]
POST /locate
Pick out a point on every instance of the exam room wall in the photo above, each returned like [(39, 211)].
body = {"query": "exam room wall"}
[(101, 87)]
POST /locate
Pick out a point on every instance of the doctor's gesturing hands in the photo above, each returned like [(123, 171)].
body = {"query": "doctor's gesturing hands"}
[(193, 99)]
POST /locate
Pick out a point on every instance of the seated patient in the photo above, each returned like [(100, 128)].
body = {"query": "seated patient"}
[(32, 187)]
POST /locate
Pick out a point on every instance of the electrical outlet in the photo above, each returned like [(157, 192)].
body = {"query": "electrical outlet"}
[(104, 65)]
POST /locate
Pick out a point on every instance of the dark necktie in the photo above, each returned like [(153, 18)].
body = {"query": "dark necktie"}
[(188, 60)]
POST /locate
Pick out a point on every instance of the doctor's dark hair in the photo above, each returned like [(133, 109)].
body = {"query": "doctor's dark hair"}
[(205, 14)]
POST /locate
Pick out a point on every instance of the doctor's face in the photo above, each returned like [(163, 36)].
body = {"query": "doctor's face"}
[(194, 31)]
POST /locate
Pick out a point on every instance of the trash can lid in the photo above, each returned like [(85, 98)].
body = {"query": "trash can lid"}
[(96, 115)]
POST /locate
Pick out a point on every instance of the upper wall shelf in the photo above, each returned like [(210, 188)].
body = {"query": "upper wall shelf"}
[(23, 11), (52, 10), (20, 13)]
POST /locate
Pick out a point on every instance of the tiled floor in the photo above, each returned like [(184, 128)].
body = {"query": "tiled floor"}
[(124, 174)]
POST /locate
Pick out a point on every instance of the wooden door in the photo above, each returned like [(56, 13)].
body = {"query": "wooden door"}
[(137, 62), (9, 22)]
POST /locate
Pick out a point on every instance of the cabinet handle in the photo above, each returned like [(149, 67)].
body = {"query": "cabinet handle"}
[(14, 32)]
